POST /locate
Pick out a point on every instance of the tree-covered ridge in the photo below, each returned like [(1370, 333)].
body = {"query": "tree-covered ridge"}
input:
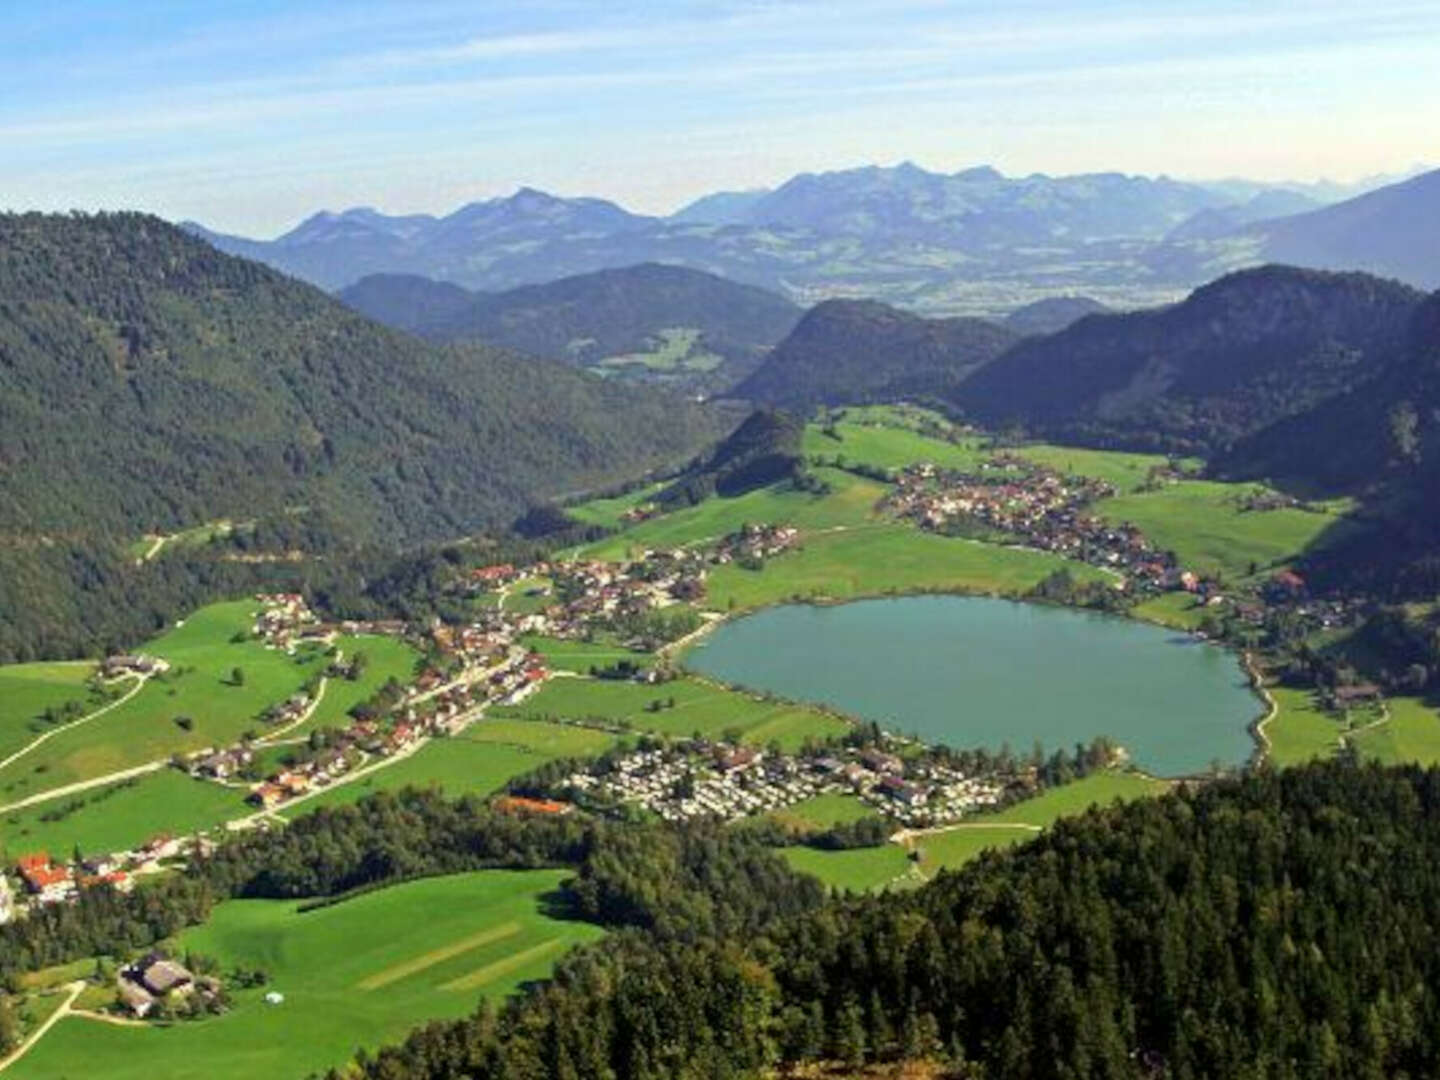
[(149, 383), (152, 382), (588, 318), (766, 448), (860, 351), (1239, 354), (1277, 926)]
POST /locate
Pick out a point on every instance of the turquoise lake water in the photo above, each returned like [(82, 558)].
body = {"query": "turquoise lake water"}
[(978, 671)]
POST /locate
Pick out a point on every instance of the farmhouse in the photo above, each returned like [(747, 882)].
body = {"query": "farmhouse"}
[(46, 882)]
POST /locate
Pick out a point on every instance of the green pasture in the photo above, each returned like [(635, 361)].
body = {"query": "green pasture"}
[(1203, 523), (850, 502), (386, 658), (608, 512), (199, 687), (27, 690), (821, 812), (699, 706), (1300, 730), (890, 447), (478, 761), (1123, 471), (856, 869), (1411, 734), (883, 559), (565, 655), (121, 816), (356, 974)]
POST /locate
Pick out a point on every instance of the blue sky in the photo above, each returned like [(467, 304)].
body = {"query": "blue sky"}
[(249, 114)]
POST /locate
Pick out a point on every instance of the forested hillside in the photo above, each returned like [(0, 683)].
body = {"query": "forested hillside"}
[(1236, 356), (604, 317), (153, 384), (1381, 442), (858, 351), (1276, 926)]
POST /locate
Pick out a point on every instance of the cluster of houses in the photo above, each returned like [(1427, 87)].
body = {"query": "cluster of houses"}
[(755, 542), (44, 880), (694, 779), (1041, 508)]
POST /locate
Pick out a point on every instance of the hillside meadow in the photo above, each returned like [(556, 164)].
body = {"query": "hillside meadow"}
[(354, 974)]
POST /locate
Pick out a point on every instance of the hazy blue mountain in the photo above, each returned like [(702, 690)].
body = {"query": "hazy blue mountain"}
[(1052, 314), (1394, 231), (1217, 221), (720, 208)]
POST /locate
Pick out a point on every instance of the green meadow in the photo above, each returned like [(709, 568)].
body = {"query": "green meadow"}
[(120, 816), (1204, 524), (851, 501), (857, 869), (609, 512), (478, 761), (1300, 730), (700, 706), (889, 447), (821, 812), (199, 687), (386, 658), (882, 559), (356, 974), (565, 655), (1123, 471), (27, 690), (1410, 734)]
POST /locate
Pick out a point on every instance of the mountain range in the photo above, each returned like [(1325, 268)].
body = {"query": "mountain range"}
[(660, 323), (971, 242)]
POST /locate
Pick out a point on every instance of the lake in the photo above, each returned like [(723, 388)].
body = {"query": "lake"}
[(979, 671)]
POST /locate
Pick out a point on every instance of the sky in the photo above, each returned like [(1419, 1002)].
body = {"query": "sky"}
[(248, 115)]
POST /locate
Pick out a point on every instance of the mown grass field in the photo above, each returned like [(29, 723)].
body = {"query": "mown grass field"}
[(27, 690), (199, 687), (1300, 731), (889, 447), (1412, 734), (857, 870), (120, 816), (1203, 523), (563, 655), (881, 559), (478, 761), (358, 974), (851, 502), (700, 706), (821, 812)]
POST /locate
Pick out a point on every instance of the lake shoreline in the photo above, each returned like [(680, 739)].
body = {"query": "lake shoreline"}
[(1254, 727)]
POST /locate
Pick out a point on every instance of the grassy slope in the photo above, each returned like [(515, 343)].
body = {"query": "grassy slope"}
[(822, 811), (144, 728), (851, 502), (699, 706), (411, 939), (608, 511), (27, 690), (564, 655), (477, 762), (1300, 730), (1200, 521), (860, 869), (121, 816), (1411, 734), (387, 658), (880, 559)]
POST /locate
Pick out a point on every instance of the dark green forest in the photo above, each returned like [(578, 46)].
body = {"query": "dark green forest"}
[(149, 383), (1277, 926)]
